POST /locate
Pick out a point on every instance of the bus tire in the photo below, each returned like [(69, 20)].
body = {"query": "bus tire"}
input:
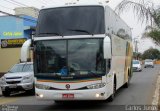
[(111, 98), (126, 85)]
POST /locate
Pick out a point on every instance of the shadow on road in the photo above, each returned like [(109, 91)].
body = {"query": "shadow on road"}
[(76, 106), (20, 94)]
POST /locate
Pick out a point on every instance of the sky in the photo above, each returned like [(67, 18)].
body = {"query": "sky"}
[(128, 17)]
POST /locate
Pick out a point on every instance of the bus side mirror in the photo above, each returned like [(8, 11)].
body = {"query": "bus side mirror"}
[(25, 50), (107, 48)]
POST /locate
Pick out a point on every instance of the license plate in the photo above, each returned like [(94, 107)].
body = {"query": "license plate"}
[(13, 86), (68, 96)]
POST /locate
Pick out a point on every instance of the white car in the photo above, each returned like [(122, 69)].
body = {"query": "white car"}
[(148, 63), (136, 65), (19, 78)]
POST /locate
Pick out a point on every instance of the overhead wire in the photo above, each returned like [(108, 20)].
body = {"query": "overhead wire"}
[(19, 3), (17, 16), (6, 7), (12, 3)]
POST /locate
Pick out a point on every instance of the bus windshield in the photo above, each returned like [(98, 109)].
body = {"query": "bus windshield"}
[(65, 21), (70, 58)]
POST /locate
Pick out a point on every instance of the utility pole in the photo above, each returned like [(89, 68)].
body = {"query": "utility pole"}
[(136, 46), (135, 40)]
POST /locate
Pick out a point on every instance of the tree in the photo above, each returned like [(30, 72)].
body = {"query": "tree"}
[(153, 32), (144, 11), (137, 55), (151, 54), (154, 35)]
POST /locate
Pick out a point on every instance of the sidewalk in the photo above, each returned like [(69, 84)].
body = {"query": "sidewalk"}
[(0, 92), (156, 97), (159, 94)]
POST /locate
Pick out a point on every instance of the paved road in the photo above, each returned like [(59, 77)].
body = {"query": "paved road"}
[(140, 92)]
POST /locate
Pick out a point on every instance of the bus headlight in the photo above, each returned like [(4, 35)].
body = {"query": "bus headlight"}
[(40, 86), (96, 86)]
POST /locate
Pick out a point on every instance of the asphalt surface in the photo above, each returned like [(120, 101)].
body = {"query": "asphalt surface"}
[(140, 92)]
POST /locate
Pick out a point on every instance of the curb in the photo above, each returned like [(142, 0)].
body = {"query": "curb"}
[(0, 92), (155, 99)]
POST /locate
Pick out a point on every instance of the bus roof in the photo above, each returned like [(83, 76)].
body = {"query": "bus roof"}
[(76, 3)]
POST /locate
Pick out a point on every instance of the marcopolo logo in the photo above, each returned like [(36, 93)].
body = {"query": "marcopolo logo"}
[(67, 86)]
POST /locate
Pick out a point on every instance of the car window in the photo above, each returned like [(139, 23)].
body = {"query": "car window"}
[(27, 68), (148, 61), (136, 62)]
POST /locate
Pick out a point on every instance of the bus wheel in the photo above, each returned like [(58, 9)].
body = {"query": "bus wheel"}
[(126, 85), (111, 98)]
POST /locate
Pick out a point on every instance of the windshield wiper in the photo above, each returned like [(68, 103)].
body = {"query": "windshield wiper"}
[(52, 33), (80, 30), (10, 71), (93, 73)]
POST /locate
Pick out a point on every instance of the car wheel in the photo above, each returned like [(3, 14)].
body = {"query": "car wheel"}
[(6, 93), (32, 91)]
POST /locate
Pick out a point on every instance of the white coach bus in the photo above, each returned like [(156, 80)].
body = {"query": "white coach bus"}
[(82, 51)]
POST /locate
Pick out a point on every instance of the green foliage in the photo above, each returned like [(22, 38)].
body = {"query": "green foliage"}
[(144, 10), (153, 32), (137, 55), (156, 17), (155, 36), (151, 54)]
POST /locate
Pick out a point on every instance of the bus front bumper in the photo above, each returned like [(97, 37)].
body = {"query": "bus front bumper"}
[(90, 94)]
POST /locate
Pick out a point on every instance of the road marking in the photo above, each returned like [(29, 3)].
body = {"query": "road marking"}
[(157, 91), (6, 100)]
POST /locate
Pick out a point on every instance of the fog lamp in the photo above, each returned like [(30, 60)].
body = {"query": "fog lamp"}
[(41, 95), (97, 95)]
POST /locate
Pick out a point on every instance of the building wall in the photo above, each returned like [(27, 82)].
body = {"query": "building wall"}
[(31, 11), (29, 21), (8, 57), (11, 27)]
